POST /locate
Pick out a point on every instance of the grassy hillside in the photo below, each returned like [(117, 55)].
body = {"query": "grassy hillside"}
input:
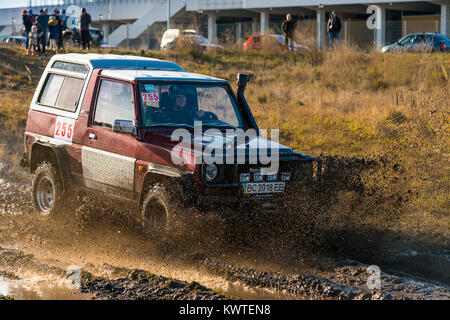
[(344, 103)]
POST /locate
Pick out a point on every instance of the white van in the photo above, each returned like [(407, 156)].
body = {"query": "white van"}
[(171, 35)]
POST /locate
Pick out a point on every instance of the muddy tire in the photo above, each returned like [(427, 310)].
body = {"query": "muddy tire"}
[(46, 191), (159, 210)]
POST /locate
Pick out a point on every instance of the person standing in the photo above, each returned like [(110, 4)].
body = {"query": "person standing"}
[(85, 21), (61, 18), (288, 27), (27, 24), (53, 27), (333, 28), (42, 21)]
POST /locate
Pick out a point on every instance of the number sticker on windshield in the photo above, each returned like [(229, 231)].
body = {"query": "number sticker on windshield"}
[(64, 129), (149, 97)]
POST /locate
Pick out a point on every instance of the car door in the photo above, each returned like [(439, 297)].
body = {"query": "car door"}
[(420, 43), (108, 160), (406, 42)]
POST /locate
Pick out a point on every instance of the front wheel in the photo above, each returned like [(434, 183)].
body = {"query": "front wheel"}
[(46, 191), (159, 210)]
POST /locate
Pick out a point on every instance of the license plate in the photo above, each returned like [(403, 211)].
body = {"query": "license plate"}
[(263, 187)]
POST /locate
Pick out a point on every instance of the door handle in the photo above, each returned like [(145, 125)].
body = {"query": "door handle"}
[(92, 136)]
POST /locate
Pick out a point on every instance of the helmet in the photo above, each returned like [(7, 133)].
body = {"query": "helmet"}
[(24, 12)]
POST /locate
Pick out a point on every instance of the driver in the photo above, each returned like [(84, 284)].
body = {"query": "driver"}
[(182, 111)]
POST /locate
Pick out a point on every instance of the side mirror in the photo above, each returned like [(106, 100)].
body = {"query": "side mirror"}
[(124, 126)]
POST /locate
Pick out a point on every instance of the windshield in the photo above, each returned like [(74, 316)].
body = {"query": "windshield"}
[(169, 104)]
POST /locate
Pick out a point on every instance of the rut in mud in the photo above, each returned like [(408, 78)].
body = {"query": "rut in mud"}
[(274, 255)]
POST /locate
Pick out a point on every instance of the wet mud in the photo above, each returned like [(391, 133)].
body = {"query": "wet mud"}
[(320, 248)]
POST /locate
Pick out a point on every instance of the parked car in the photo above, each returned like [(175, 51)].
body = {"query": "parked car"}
[(14, 41), (270, 41), (104, 124), (172, 37), (420, 42), (73, 35)]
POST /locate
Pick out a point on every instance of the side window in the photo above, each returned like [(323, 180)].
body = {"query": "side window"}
[(51, 90), (61, 92), (114, 102), (407, 40), (420, 39)]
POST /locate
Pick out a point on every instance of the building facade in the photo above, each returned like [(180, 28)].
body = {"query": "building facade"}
[(140, 23)]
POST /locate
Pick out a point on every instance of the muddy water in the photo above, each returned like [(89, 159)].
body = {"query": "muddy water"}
[(39, 288), (100, 242)]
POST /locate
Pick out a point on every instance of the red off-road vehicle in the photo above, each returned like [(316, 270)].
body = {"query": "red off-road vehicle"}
[(106, 123)]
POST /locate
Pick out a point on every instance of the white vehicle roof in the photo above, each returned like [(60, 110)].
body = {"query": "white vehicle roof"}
[(131, 75), (101, 61)]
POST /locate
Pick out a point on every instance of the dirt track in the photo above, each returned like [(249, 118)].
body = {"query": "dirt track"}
[(116, 262)]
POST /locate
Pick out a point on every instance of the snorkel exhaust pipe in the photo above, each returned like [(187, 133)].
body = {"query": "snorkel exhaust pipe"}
[(242, 80)]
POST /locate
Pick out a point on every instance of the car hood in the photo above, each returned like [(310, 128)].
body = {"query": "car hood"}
[(221, 144), (388, 47)]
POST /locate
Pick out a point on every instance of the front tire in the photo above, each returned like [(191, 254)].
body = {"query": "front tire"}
[(159, 210), (46, 191)]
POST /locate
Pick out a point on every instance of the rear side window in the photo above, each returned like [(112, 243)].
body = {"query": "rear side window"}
[(61, 92), (114, 102)]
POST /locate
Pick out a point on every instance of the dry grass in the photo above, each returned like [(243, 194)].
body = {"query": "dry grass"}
[(346, 102)]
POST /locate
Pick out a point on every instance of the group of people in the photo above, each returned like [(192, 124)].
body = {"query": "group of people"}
[(38, 28), (333, 29), (45, 31)]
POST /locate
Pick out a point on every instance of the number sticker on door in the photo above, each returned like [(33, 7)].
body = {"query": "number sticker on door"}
[(64, 128)]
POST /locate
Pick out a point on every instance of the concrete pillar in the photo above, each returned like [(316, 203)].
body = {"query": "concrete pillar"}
[(346, 31), (264, 22), (106, 32), (380, 33), (321, 28), (255, 28), (238, 31), (212, 28), (445, 18)]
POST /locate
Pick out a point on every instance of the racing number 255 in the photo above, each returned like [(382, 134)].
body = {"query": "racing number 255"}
[(64, 128)]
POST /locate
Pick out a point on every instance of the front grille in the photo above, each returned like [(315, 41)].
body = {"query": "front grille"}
[(229, 173)]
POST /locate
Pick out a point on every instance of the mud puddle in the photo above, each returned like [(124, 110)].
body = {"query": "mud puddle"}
[(117, 262)]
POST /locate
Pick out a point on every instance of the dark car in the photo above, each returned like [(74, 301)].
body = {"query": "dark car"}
[(420, 42), (73, 35), (15, 41)]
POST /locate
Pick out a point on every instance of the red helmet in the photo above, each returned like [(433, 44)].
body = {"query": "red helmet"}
[(24, 12)]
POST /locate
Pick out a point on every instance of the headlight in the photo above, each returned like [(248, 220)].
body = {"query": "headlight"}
[(211, 172), (244, 177), (285, 176)]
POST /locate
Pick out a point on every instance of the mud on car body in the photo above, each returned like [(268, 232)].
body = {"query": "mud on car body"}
[(104, 123)]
